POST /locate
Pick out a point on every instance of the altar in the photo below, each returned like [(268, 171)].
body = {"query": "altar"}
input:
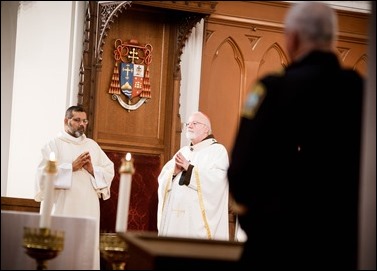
[(147, 251), (78, 252)]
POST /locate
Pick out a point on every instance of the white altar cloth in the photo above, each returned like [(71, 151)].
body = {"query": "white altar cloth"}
[(78, 252)]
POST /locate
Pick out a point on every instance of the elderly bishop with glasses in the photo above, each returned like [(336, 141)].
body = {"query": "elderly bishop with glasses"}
[(193, 187)]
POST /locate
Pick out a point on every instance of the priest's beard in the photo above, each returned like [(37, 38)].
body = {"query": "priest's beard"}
[(75, 132)]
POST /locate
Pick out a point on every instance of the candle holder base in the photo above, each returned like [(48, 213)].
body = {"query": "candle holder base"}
[(42, 245), (114, 250)]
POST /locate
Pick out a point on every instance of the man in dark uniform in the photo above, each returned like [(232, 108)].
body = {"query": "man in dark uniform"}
[(294, 170)]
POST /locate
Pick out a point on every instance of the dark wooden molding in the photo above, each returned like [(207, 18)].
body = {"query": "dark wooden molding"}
[(204, 7)]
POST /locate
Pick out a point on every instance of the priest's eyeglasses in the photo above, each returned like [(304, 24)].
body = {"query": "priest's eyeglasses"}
[(194, 123), (78, 120)]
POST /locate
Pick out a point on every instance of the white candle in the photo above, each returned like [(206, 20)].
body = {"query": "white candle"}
[(126, 170), (49, 177)]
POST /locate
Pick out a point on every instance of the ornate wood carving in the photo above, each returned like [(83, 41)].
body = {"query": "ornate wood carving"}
[(108, 12), (100, 17), (184, 31)]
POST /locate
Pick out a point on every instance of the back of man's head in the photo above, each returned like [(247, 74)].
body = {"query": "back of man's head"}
[(314, 22)]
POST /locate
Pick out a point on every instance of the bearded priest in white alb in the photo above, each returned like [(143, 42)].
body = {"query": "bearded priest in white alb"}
[(193, 187), (84, 173)]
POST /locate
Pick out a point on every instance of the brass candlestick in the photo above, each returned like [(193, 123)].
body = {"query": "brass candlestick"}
[(114, 250), (42, 244)]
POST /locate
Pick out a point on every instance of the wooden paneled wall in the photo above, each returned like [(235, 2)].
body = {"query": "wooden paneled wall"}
[(245, 40)]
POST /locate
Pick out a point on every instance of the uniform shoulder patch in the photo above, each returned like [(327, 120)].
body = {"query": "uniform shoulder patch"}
[(253, 101)]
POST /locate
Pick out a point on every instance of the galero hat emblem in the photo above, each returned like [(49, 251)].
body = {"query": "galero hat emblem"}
[(131, 74)]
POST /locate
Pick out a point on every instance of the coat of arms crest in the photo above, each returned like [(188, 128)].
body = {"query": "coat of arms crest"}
[(131, 74)]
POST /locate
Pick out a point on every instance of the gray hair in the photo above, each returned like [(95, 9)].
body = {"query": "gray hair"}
[(204, 119), (314, 22)]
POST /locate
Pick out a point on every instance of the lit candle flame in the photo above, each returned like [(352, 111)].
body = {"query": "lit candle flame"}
[(128, 156), (52, 156)]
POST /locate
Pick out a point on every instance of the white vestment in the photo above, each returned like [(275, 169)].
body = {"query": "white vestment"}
[(200, 209), (77, 193)]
